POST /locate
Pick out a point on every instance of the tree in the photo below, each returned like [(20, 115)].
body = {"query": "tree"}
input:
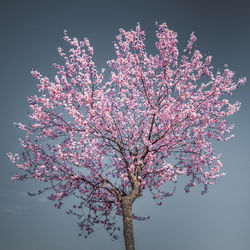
[(105, 142)]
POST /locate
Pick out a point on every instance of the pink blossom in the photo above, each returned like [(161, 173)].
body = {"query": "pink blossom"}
[(106, 139)]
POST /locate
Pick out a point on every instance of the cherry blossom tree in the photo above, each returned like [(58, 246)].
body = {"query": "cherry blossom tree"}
[(107, 141)]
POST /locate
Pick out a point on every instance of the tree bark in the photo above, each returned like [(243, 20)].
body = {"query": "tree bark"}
[(128, 224)]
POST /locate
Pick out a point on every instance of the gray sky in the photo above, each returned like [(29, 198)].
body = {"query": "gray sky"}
[(31, 31)]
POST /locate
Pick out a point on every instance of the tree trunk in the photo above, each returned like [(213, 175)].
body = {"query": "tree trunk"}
[(128, 224)]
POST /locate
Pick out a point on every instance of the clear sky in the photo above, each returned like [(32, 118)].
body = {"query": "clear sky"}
[(31, 31)]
